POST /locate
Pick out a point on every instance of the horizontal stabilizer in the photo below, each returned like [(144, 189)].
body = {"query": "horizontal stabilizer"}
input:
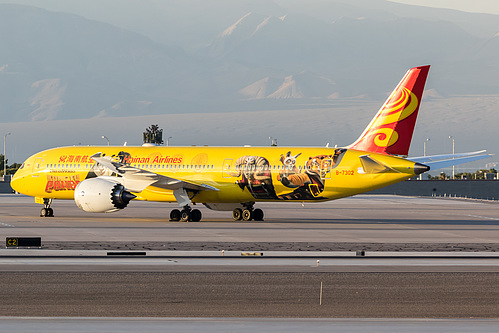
[(454, 161), (424, 159)]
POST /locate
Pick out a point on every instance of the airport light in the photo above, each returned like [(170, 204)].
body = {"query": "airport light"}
[(168, 141), (105, 137), (453, 167), (424, 154), (5, 156), (424, 146)]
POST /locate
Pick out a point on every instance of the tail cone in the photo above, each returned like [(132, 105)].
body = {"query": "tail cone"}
[(420, 168)]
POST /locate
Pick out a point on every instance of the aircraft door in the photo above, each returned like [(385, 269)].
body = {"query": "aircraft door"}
[(228, 168), (37, 166), (326, 168)]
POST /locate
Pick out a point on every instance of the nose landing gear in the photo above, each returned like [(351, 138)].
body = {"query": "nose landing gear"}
[(47, 211)]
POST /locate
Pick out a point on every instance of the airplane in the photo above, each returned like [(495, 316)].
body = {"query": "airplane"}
[(107, 178)]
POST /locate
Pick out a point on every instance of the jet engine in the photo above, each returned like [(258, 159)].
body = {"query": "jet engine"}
[(101, 195)]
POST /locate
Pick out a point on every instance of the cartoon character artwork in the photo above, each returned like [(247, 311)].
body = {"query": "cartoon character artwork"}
[(124, 157), (255, 176), (309, 183), (290, 175), (100, 170)]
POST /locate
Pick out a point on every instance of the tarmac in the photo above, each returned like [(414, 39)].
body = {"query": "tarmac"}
[(374, 256)]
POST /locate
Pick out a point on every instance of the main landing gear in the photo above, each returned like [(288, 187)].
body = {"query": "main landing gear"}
[(186, 215), (247, 214), (47, 211)]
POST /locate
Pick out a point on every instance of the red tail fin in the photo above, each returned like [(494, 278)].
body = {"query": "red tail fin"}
[(390, 132)]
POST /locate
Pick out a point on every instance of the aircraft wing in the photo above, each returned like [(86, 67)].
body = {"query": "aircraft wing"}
[(136, 179), (443, 161)]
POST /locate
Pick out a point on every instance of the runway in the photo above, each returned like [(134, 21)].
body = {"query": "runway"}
[(239, 262), (424, 258), (250, 294), (244, 325)]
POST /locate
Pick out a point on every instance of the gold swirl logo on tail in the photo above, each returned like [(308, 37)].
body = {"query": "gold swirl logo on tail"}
[(384, 137), (401, 104), (397, 107)]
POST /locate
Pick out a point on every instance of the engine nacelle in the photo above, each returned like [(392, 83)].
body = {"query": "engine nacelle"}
[(101, 195)]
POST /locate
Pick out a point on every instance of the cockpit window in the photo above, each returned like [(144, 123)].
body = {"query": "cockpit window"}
[(22, 166)]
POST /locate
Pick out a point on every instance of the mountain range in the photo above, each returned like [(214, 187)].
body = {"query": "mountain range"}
[(236, 60), (191, 57)]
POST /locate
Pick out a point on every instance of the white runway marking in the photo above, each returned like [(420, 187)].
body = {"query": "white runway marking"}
[(483, 217)]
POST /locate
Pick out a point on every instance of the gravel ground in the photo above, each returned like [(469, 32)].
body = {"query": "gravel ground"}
[(271, 246), (372, 295)]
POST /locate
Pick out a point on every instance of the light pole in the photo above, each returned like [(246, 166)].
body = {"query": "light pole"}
[(168, 141), (424, 154), (424, 146), (453, 167), (105, 137), (5, 156)]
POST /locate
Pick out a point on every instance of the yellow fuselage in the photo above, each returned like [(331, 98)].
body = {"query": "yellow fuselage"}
[(241, 174)]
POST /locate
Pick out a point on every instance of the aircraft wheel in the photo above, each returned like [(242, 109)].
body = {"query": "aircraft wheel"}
[(175, 215), (50, 212), (185, 216), (44, 212), (196, 215), (237, 214), (258, 214), (247, 215)]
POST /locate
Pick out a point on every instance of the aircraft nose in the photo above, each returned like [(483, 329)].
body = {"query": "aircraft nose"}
[(420, 168), (17, 182), (14, 182)]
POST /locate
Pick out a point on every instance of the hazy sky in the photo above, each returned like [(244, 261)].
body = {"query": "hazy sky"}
[(476, 6)]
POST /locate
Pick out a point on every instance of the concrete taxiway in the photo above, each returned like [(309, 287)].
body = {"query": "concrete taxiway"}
[(242, 325), (357, 220), (236, 262)]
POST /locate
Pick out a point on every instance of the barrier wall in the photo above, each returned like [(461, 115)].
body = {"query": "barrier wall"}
[(480, 189), (5, 187)]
